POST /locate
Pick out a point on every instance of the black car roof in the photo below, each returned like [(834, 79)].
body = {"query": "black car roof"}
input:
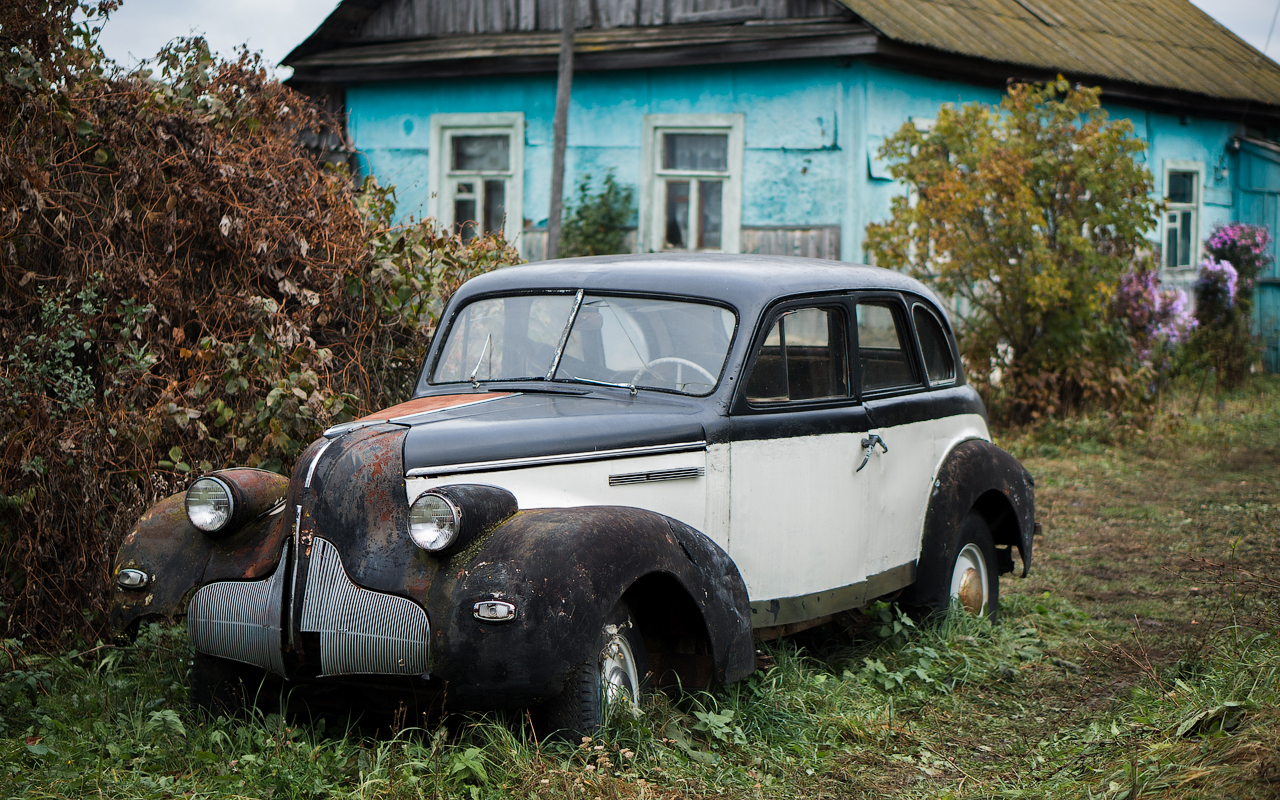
[(747, 282)]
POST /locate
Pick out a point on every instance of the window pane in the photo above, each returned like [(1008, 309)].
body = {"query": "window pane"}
[(677, 213), (481, 152), (660, 344), (882, 358), (509, 337), (709, 214), (1171, 242), (934, 347), (1182, 187), (704, 152), (464, 217), (803, 358), (1184, 239), (495, 205)]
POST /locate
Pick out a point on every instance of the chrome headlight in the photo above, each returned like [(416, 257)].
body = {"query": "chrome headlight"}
[(210, 504), (434, 521)]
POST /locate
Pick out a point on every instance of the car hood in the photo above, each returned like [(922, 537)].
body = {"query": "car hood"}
[(467, 429)]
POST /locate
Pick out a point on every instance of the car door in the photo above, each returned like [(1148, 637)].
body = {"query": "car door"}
[(910, 428), (794, 433)]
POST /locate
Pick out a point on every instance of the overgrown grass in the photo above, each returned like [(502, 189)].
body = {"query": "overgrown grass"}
[(1141, 659)]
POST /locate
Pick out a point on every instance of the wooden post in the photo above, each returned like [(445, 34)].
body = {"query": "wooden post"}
[(564, 89)]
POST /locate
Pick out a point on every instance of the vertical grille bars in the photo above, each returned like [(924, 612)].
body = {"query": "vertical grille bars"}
[(361, 631), (240, 620)]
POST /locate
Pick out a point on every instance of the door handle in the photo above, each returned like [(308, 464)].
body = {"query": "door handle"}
[(869, 444)]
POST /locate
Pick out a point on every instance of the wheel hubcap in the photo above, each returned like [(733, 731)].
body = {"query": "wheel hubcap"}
[(618, 676), (969, 580)]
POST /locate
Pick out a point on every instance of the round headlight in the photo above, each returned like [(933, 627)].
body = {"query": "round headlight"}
[(209, 504), (433, 522)]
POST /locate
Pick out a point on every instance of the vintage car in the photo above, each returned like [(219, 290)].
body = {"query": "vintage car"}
[(612, 470)]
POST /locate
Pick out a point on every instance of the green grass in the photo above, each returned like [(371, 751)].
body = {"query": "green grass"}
[(1140, 659)]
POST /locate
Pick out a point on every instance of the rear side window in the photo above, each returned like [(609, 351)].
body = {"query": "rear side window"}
[(882, 352), (803, 358), (938, 363)]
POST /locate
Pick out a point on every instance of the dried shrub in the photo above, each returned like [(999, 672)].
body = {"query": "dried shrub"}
[(185, 287)]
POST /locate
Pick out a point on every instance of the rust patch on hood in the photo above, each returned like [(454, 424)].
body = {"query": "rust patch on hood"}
[(424, 404)]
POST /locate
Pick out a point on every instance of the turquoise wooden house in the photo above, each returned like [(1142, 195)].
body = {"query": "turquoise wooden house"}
[(753, 125)]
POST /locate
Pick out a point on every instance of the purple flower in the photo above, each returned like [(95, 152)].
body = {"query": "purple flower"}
[(1217, 276)]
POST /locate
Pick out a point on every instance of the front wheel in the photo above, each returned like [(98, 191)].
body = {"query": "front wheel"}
[(220, 686), (612, 675), (965, 574)]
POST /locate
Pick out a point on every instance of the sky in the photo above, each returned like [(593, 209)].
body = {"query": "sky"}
[(274, 27)]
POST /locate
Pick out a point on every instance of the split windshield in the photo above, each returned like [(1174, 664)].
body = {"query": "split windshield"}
[(634, 342)]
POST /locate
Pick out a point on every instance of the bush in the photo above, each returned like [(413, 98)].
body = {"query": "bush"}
[(597, 225), (1223, 341), (184, 287), (1031, 212)]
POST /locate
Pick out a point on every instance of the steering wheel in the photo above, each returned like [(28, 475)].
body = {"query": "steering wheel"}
[(679, 362)]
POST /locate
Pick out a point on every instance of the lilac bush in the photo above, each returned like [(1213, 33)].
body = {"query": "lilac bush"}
[(1155, 317)]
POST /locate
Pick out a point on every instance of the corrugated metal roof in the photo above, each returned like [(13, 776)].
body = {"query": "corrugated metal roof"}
[(1169, 44)]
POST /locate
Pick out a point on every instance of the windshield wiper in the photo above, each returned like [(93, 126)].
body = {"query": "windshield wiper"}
[(472, 377), (631, 387), (564, 337)]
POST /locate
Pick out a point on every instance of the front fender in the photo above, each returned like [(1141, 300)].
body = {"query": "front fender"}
[(179, 558), (565, 570)]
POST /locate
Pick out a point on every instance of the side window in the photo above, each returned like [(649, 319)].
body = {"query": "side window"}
[(803, 358), (882, 352), (934, 347)]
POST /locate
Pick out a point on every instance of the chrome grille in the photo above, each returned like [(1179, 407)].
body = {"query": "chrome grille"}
[(361, 631), (240, 620)]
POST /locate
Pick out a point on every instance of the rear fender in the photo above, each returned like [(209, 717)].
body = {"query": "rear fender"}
[(978, 476)]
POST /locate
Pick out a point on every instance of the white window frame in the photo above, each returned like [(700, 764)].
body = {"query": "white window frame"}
[(1195, 207), (443, 128), (653, 198)]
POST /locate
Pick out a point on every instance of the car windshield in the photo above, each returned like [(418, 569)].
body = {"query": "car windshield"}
[(633, 342)]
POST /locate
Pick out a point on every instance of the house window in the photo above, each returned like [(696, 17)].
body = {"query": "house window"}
[(691, 195), (477, 173), (1181, 219)]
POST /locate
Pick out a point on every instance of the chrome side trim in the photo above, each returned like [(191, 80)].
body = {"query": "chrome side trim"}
[(240, 620), (681, 474), (567, 458), (786, 610), (311, 471), (362, 632)]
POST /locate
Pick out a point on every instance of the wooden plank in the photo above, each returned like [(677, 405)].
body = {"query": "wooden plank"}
[(806, 242)]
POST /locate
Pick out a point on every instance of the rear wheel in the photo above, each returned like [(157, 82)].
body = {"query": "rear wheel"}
[(610, 678), (965, 573)]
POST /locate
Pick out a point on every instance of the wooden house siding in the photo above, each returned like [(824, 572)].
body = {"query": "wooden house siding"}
[(405, 19)]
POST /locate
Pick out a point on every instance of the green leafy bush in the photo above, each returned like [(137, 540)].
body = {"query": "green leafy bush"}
[(185, 286), (1030, 212), (597, 225)]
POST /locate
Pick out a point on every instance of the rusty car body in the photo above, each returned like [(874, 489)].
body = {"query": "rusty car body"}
[(612, 470)]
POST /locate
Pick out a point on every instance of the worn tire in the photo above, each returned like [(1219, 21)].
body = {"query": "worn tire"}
[(966, 571), (223, 687), (581, 707)]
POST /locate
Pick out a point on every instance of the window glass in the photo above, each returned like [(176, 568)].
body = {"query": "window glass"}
[(482, 152), (504, 338), (700, 152), (1182, 187), (882, 355), (1180, 222), (934, 347), (647, 342), (802, 358)]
